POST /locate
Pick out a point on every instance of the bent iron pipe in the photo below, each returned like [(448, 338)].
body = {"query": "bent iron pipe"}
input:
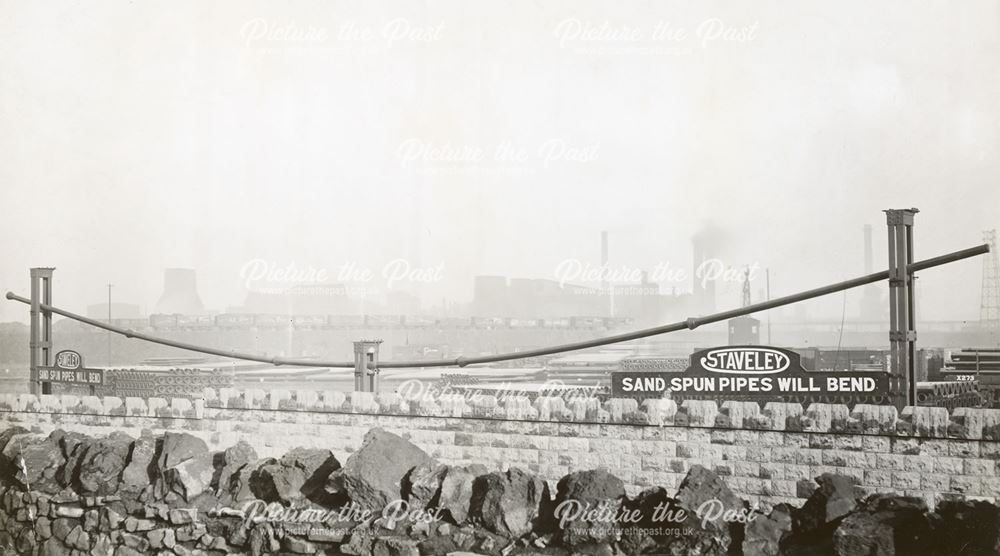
[(688, 324)]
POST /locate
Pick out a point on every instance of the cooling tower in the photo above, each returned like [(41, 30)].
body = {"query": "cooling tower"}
[(490, 296), (180, 293)]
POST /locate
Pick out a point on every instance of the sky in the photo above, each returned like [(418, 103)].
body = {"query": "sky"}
[(439, 140)]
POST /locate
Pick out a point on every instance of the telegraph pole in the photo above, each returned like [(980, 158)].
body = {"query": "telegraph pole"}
[(767, 294), (110, 285)]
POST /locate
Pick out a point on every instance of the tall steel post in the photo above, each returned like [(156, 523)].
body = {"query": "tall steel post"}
[(366, 365), (902, 309), (40, 333)]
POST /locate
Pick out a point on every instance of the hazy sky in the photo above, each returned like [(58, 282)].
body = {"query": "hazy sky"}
[(490, 138)]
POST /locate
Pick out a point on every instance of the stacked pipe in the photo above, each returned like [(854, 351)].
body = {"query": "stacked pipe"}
[(950, 394)]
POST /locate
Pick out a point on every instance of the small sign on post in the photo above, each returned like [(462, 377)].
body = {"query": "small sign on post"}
[(69, 369)]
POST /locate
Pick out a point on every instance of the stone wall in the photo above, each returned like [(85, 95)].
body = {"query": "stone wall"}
[(767, 455), (69, 494)]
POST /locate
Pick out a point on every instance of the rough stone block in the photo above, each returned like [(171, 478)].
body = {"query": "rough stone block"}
[(783, 454), (877, 478), (784, 488), (936, 482), (276, 397), (928, 421), (760, 454), (876, 444), (48, 403), (780, 412), (723, 437), (363, 402), (890, 462), (28, 402), (518, 408), (91, 405), (740, 411), (700, 413), (948, 466), (822, 415), (905, 480), (155, 407), (618, 407), (112, 405), (660, 411), (876, 418), (963, 448), (307, 399), (180, 406), (977, 466), (848, 442), (333, 401), (549, 406), (747, 469), (967, 485), (809, 456)]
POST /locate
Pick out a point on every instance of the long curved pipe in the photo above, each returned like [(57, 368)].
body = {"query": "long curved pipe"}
[(688, 324)]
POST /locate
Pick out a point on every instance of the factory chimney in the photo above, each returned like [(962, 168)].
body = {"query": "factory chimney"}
[(180, 293), (868, 249), (604, 251), (704, 246), (605, 290), (872, 308)]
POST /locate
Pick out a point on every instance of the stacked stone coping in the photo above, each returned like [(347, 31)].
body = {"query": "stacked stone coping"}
[(913, 421)]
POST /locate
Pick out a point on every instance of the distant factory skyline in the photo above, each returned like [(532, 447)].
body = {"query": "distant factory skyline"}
[(499, 140), (598, 288)]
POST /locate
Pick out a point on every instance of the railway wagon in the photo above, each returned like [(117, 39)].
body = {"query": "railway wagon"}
[(195, 322), (234, 320), (418, 321), (383, 321), (270, 321), (587, 323), (309, 322), (454, 322), (133, 324), (490, 323), (160, 321), (345, 321)]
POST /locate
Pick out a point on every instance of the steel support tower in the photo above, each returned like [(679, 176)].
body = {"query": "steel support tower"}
[(902, 309)]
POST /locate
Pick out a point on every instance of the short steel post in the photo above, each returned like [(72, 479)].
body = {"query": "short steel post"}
[(40, 333), (366, 365)]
